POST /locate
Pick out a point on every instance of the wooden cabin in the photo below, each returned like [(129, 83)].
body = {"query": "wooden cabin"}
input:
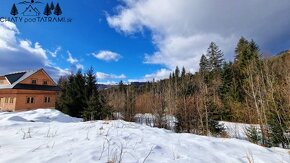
[(27, 90)]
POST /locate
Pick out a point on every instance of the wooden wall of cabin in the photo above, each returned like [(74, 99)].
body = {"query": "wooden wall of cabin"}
[(20, 102)]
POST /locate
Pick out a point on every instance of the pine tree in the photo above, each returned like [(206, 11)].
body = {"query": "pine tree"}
[(183, 72), (254, 51), (278, 127), (173, 75), (253, 134), (60, 104), (81, 98), (93, 109), (242, 61), (57, 10), (51, 6), (227, 91), (96, 109), (246, 52), (215, 57), (75, 100), (47, 10), (14, 10), (91, 85), (241, 48), (203, 64), (214, 127), (177, 72)]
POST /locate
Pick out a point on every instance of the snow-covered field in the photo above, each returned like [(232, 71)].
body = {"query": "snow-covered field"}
[(50, 136)]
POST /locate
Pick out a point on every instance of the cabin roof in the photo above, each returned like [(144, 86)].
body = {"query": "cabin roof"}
[(16, 77)]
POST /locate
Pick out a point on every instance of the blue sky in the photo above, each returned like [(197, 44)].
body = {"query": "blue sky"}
[(139, 39)]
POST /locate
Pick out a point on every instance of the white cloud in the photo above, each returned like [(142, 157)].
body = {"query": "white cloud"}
[(8, 32), (79, 66), (108, 83), (185, 51), (17, 54), (56, 72), (183, 29), (158, 75), (75, 65), (102, 76), (35, 49), (55, 52), (70, 58), (107, 55)]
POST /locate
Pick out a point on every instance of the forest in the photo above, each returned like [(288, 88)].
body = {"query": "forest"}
[(253, 89)]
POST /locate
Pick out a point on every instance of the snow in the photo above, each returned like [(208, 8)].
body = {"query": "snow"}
[(46, 135), (152, 120), (40, 115), (237, 130)]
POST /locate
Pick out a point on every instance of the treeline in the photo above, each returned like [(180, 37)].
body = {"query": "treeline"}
[(80, 97), (251, 89)]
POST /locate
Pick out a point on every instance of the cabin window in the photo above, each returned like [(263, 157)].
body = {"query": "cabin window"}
[(11, 100), (46, 99), (33, 81), (45, 82), (6, 99), (30, 100)]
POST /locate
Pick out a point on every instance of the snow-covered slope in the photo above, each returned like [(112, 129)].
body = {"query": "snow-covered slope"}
[(40, 115), (50, 136)]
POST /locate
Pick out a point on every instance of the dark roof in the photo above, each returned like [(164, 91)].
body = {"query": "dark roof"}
[(17, 77), (14, 77), (37, 87)]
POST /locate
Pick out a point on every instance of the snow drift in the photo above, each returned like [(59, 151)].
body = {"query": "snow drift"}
[(51, 136)]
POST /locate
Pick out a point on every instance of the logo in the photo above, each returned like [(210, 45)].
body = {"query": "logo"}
[(36, 12)]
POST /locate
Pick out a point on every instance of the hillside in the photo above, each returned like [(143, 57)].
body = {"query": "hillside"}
[(51, 136)]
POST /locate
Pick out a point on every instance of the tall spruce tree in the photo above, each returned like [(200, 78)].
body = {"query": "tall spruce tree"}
[(246, 53), (177, 72), (242, 53), (75, 100), (91, 83), (203, 64), (183, 72), (60, 102), (227, 91), (278, 126), (254, 51), (94, 108), (81, 98), (215, 57)]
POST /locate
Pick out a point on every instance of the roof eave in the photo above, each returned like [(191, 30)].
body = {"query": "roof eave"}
[(7, 80)]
